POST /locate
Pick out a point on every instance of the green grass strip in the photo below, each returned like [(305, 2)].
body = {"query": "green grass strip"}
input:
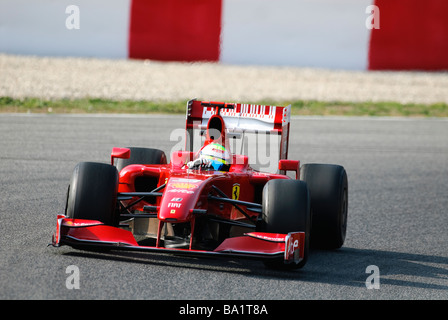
[(299, 107)]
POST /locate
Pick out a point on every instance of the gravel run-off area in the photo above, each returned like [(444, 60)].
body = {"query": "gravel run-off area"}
[(64, 77)]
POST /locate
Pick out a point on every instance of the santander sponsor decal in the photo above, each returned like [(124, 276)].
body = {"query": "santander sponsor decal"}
[(183, 185)]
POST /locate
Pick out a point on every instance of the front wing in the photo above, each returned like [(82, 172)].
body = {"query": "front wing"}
[(254, 245)]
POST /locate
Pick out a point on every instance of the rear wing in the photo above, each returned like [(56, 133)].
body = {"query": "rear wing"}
[(240, 118)]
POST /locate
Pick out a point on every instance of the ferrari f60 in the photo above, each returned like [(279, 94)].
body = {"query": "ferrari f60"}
[(212, 201)]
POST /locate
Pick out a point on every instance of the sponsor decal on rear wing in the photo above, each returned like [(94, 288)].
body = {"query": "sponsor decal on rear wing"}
[(238, 116)]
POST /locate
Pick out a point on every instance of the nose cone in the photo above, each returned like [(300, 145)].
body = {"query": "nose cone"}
[(181, 195)]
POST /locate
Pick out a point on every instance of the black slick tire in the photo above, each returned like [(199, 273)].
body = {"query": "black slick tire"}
[(286, 208), (92, 193), (328, 187)]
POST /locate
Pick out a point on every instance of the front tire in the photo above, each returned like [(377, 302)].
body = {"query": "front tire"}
[(328, 186), (92, 193), (286, 208)]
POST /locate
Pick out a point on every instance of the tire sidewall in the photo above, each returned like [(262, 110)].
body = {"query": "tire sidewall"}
[(92, 193), (285, 209), (328, 187)]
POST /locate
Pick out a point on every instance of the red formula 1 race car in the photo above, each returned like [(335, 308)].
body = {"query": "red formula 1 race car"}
[(210, 201)]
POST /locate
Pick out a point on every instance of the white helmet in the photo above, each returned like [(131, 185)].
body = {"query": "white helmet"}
[(218, 156)]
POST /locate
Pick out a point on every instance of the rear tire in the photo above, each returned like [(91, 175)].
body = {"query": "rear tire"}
[(328, 187), (286, 208), (92, 193)]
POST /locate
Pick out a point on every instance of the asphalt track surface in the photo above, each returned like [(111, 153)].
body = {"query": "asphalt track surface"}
[(397, 171)]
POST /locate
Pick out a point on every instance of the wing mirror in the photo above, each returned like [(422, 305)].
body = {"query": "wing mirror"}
[(289, 165)]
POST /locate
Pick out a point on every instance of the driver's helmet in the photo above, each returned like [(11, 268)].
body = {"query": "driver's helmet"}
[(217, 155)]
